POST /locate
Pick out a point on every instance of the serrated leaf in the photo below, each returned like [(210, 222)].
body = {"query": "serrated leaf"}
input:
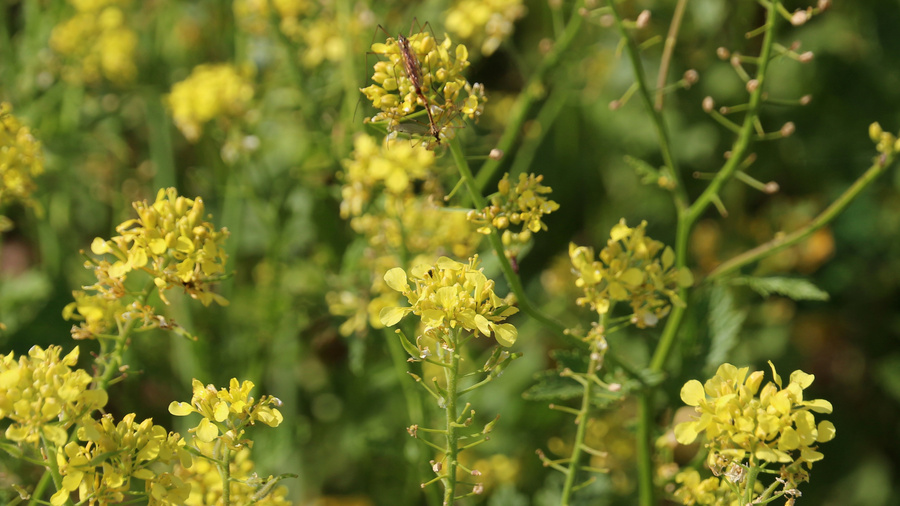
[(725, 322), (792, 288), (551, 387), (573, 359)]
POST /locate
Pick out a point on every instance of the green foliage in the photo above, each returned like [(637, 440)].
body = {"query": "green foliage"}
[(792, 288)]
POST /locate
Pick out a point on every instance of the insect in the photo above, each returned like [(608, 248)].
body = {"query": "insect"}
[(416, 71)]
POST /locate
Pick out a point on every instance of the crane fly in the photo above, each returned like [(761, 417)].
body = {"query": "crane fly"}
[(414, 74)]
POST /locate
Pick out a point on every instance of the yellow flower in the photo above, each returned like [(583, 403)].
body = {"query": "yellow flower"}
[(634, 268), (21, 159), (116, 453), (99, 41), (523, 204), (211, 91), (227, 412), (450, 295), (170, 241), (429, 68), (484, 22), (740, 420), (43, 397)]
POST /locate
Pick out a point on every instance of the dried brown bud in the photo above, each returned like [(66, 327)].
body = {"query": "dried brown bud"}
[(496, 154), (805, 99), (615, 104), (771, 187), (824, 4), (788, 129), (752, 85), (691, 77), (806, 57), (799, 18), (643, 19), (723, 53), (708, 104)]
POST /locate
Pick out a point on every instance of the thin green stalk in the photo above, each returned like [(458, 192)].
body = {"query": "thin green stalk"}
[(112, 362), (41, 486), (530, 94), (581, 419), (53, 467), (452, 375), (633, 52), (686, 219), (825, 217), (668, 50), (225, 474)]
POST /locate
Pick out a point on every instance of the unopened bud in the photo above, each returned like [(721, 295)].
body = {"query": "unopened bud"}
[(824, 4), (806, 57), (478, 489), (805, 99), (788, 129), (496, 154), (545, 45), (643, 19), (723, 53), (436, 466), (799, 18), (752, 85), (615, 387), (875, 132), (615, 104), (708, 104), (607, 20), (771, 187), (691, 77)]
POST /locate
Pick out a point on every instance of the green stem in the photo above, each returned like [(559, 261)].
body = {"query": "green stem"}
[(451, 373), (533, 91), (113, 361), (53, 467), (687, 216), (40, 487), (224, 466), (827, 216), (751, 481), (581, 420), (665, 145)]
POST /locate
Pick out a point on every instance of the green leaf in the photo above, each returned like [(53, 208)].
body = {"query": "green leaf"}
[(792, 288), (553, 388), (725, 322)]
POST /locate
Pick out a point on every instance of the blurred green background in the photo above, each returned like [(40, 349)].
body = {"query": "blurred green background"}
[(108, 144)]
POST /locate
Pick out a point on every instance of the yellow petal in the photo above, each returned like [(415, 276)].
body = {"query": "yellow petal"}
[(206, 431), (686, 433), (389, 316), (826, 432), (180, 408), (505, 334), (396, 280), (692, 393)]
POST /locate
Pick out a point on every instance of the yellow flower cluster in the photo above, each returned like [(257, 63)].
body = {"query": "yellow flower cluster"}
[(43, 397), (211, 91), (484, 22), (427, 68), (634, 268), (374, 168), (170, 241), (227, 412), (21, 159), (101, 470), (450, 295), (522, 205), (380, 200), (886, 143), (253, 15), (713, 491), (741, 421), (245, 486), (99, 39)]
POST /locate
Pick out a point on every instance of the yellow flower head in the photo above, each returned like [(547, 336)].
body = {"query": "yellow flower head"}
[(43, 396), (420, 78), (740, 420), (485, 23), (227, 412), (115, 453), (211, 91), (375, 167), (450, 295), (99, 42), (886, 143), (523, 205), (634, 268), (170, 241), (21, 159)]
